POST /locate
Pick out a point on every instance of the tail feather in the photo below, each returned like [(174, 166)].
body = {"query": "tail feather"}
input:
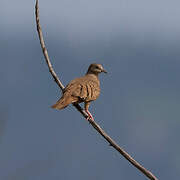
[(62, 103)]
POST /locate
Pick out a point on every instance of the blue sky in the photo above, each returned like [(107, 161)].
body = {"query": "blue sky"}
[(137, 42)]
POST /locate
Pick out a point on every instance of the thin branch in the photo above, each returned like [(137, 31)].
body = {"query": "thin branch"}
[(51, 70), (78, 107), (46, 56)]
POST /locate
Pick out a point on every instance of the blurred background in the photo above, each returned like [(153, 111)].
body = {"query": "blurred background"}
[(138, 43)]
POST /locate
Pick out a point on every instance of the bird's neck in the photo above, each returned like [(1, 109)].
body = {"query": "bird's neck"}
[(92, 74)]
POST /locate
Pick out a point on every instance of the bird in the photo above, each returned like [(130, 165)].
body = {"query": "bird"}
[(84, 89)]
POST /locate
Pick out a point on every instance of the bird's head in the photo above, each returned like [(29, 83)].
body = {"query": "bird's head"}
[(95, 69)]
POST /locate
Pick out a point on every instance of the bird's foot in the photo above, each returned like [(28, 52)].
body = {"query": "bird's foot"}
[(89, 116)]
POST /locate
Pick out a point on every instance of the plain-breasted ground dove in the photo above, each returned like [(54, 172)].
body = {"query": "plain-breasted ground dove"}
[(84, 89)]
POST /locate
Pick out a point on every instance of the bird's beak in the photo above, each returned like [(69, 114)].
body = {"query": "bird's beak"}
[(104, 71)]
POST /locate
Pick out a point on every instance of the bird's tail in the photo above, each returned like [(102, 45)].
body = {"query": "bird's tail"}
[(62, 103)]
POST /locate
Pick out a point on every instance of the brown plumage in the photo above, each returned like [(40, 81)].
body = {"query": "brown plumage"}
[(84, 89)]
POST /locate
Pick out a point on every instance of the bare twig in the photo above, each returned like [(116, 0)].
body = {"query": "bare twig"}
[(51, 70), (78, 107)]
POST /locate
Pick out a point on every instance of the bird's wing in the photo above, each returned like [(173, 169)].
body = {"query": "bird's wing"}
[(85, 88), (94, 90), (76, 88)]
